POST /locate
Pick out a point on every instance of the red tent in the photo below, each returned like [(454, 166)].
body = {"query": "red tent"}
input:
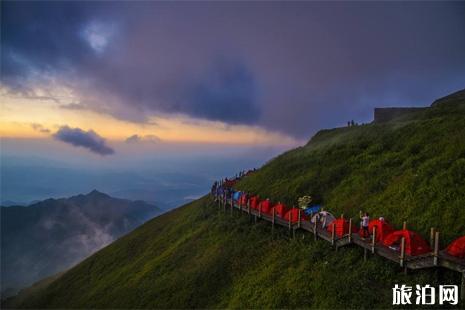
[(243, 200), (383, 229), (294, 215), (279, 209), (342, 227), (414, 243), (265, 206), (457, 247), (254, 201)]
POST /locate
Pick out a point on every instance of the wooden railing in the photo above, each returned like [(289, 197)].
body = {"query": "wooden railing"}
[(434, 259)]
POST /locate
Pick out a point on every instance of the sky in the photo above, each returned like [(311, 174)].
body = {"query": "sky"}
[(114, 84)]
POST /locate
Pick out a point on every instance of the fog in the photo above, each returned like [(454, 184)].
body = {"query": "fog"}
[(166, 174)]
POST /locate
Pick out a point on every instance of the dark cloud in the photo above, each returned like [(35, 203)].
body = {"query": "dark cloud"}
[(147, 138), (47, 41), (289, 67), (86, 139), (40, 128), (226, 92)]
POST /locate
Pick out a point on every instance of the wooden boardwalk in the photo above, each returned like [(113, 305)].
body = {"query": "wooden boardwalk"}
[(430, 260)]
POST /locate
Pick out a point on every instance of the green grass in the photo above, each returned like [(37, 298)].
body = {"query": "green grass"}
[(410, 171), (196, 257)]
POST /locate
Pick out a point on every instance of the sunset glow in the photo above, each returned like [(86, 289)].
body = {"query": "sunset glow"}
[(50, 115)]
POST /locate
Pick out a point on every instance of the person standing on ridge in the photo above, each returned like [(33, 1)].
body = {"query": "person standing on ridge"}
[(365, 219), (213, 189)]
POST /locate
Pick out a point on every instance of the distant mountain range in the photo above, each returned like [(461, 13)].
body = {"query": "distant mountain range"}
[(11, 203), (52, 235)]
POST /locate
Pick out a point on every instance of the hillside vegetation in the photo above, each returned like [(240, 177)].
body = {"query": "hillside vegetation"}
[(410, 169), (199, 257)]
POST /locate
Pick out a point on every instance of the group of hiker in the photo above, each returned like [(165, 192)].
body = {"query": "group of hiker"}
[(244, 173), (224, 187), (351, 123), (221, 188)]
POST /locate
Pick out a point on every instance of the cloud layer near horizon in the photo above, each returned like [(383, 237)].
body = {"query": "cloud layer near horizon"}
[(86, 139), (287, 67), (147, 138)]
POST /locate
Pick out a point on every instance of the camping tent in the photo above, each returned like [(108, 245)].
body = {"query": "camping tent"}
[(243, 199), (293, 214), (457, 248), (237, 196), (322, 219), (341, 226), (254, 201), (414, 243), (312, 210), (383, 229), (265, 206), (279, 209)]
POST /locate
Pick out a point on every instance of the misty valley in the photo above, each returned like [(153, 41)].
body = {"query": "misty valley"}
[(51, 236)]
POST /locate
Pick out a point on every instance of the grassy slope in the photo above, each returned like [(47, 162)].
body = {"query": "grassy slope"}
[(411, 170), (198, 257)]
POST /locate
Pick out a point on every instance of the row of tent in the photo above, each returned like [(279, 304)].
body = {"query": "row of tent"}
[(385, 233)]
